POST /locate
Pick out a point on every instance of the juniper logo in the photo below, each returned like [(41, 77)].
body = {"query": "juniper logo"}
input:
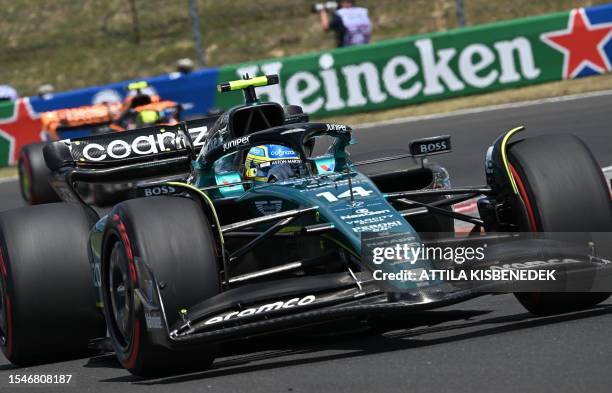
[(425, 70), (236, 142)]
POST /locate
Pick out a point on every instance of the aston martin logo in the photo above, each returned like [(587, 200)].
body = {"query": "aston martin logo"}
[(269, 207)]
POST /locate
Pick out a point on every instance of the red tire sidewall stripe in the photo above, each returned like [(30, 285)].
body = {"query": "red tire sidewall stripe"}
[(130, 362), (536, 297), (523, 193), (7, 309), (3, 270), (9, 327)]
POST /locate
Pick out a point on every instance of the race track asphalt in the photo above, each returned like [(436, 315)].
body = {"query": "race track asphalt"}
[(488, 344)]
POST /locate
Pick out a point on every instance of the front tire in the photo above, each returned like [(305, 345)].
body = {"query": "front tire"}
[(561, 189), (172, 236), (48, 307)]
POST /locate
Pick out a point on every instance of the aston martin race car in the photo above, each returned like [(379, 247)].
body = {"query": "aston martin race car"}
[(140, 108), (217, 245)]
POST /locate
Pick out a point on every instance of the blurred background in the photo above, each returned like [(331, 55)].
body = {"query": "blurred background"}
[(72, 44)]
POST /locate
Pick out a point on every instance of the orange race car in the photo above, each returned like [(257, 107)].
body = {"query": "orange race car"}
[(139, 109)]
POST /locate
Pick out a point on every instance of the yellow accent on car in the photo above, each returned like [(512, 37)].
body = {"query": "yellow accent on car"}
[(243, 84), (138, 85), (207, 199), (504, 156)]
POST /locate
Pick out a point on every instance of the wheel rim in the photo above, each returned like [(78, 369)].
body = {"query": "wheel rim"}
[(120, 296)]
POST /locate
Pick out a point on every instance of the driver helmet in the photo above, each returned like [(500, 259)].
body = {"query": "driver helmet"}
[(261, 159), (147, 117)]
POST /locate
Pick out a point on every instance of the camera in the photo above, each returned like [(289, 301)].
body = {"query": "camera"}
[(325, 6)]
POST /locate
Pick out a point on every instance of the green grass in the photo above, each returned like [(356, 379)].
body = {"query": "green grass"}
[(75, 44)]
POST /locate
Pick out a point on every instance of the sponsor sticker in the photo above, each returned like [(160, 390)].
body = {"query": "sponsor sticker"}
[(336, 127), (236, 142), (269, 207), (428, 146), (158, 190), (122, 148), (263, 309)]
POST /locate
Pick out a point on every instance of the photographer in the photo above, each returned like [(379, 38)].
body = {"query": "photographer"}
[(351, 24)]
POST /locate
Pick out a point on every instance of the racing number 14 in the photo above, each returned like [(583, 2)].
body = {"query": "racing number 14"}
[(346, 194)]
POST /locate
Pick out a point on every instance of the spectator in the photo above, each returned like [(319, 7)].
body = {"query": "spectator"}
[(351, 24), (8, 93), (46, 91), (184, 66)]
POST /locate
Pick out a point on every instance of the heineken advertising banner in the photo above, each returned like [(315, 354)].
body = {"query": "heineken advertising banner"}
[(439, 65), (382, 75)]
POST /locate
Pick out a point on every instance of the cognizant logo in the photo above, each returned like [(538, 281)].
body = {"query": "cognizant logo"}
[(295, 302), (141, 146)]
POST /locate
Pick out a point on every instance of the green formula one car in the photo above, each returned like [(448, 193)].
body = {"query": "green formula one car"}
[(245, 227)]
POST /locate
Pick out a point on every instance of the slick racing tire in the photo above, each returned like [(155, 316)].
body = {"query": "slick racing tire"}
[(34, 175), (171, 237), (561, 189), (47, 299)]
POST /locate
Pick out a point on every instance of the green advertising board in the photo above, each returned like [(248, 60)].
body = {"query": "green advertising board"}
[(430, 67)]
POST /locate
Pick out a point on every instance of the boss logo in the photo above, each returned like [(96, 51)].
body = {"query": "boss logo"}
[(427, 146), (140, 146), (160, 190), (236, 142), (432, 147)]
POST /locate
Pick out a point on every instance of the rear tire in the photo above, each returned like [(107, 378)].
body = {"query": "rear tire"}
[(34, 175), (555, 175), (173, 237), (48, 306)]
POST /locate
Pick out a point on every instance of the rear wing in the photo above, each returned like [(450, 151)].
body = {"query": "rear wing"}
[(143, 144), (199, 129), (116, 149), (129, 155)]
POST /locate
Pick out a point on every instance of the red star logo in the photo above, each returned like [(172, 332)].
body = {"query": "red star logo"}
[(20, 129), (581, 44)]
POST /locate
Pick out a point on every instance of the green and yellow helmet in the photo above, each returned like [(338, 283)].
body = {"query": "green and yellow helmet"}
[(261, 159)]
